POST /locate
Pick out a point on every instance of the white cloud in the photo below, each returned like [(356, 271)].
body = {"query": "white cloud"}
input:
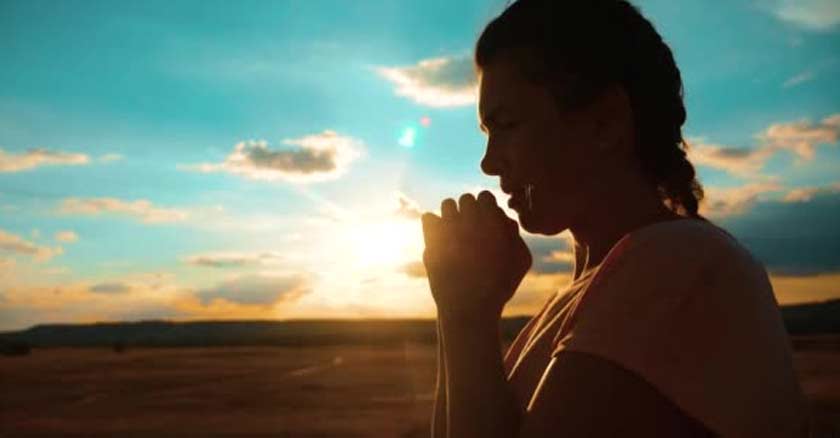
[(805, 194), (234, 259), (733, 201), (6, 265), (437, 82), (819, 15), (800, 138), (798, 79), (257, 289), (107, 158), (66, 236), (415, 269), (32, 158), (140, 209), (317, 157), (408, 208), (742, 162), (15, 244)]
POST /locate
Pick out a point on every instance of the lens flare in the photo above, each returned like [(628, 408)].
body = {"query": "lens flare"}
[(408, 137)]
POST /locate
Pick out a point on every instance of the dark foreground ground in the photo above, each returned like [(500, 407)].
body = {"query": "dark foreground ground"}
[(276, 391)]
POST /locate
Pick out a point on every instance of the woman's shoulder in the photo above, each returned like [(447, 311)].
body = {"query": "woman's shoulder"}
[(687, 308), (681, 260), (679, 241)]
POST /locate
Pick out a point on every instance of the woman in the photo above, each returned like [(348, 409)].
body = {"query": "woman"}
[(669, 326)]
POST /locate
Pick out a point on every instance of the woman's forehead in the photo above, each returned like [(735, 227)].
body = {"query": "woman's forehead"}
[(498, 88)]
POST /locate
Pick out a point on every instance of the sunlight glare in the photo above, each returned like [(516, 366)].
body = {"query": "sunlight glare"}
[(385, 244)]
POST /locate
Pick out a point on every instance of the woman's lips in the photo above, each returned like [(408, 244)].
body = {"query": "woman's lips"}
[(515, 200)]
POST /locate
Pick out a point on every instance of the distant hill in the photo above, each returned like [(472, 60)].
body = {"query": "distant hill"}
[(217, 333), (813, 318), (800, 320)]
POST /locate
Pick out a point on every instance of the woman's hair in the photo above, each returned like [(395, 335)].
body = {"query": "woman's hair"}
[(577, 48)]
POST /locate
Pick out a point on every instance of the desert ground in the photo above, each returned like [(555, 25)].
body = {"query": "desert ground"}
[(341, 391)]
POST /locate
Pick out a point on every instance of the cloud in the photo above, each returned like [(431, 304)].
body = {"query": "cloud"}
[(142, 295), (534, 291), (17, 245), (819, 15), (111, 288), (742, 162), (798, 79), (233, 259), (805, 194), (108, 158), (6, 265), (800, 138), (437, 82), (140, 209), (792, 238), (408, 208), (414, 269), (551, 255), (257, 289), (37, 157), (732, 201), (66, 236), (317, 157)]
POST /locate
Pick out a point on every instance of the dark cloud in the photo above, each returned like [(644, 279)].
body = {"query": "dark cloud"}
[(550, 254), (298, 160), (233, 259), (257, 289), (316, 157), (800, 138), (110, 288), (792, 238)]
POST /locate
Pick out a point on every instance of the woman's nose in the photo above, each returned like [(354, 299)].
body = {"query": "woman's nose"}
[(491, 164)]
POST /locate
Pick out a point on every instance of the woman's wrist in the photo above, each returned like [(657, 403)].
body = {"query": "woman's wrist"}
[(468, 322)]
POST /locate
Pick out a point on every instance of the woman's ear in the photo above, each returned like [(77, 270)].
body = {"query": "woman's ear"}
[(613, 115)]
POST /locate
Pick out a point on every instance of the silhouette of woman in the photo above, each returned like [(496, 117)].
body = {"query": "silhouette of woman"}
[(669, 327)]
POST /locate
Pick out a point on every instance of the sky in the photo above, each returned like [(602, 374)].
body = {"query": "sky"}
[(269, 160)]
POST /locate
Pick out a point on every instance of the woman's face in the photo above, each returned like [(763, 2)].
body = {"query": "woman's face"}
[(531, 141)]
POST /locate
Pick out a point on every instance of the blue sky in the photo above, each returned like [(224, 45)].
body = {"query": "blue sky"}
[(209, 160)]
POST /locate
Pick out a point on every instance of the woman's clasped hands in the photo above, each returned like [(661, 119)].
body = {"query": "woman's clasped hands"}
[(474, 257)]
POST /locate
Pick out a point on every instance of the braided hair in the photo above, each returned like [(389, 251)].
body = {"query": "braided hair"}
[(577, 48)]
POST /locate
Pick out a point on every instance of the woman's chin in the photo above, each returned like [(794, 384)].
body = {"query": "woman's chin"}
[(527, 222), (535, 224)]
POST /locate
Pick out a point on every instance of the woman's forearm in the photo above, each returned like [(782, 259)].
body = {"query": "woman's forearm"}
[(480, 401), (439, 413)]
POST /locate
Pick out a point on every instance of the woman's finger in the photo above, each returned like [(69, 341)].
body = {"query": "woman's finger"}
[(488, 208), (490, 211), (431, 228), (486, 200), (469, 209), (448, 210)]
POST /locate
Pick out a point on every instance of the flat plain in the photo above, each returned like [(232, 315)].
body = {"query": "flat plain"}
[(335, 391)]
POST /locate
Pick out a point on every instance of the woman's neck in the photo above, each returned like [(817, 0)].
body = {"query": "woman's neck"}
[(593, 241)]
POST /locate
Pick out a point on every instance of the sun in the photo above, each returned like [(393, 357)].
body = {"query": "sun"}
[(383, 244)]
